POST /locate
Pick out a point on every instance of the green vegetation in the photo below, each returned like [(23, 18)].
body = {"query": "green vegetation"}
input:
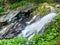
[(1, 9), (41, 10), (11, 1), (11, 6), (58, 10), (15, 41), (15, 5), (51, 36), (39, 1), (0, 3)]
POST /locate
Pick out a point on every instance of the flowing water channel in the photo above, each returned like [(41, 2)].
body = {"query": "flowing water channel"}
[(38, 26), (23, 26)]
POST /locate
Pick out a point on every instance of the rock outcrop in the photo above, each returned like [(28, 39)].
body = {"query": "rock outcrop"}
[(13, 22)]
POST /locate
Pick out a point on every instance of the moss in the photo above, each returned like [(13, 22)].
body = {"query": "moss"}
[(15, 5), (41, 10), (57, 10)]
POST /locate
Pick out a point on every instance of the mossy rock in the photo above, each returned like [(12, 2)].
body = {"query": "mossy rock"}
[(41, 10)]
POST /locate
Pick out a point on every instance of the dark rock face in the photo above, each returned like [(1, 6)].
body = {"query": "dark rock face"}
[(27, 14), (9, 36), (13, 23), (23, 15), (12, 28)]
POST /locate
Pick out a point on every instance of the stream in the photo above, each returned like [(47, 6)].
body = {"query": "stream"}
[(23, 24), (38, 26)]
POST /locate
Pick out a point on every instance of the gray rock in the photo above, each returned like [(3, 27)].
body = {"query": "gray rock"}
[(10, 36)]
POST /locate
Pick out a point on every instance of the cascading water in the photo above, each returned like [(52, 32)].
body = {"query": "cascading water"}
[(19, 24), (14, 22), (38, 26)]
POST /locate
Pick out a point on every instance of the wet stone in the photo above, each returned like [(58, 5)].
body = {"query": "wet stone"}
[(9, 36)]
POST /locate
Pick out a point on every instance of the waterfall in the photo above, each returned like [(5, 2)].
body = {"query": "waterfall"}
[(34, 17), (38, 26), (24, 26)]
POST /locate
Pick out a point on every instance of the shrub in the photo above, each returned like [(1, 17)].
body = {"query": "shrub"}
[(15, 5), (11, 1), (1, 9), (39, 1), (15, 41)]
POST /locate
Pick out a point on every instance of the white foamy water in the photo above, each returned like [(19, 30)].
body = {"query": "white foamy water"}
[(31, 20), (38, 26)]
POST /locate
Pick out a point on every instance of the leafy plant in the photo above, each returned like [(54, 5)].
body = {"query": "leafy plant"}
[(15, 5), (1, 9)]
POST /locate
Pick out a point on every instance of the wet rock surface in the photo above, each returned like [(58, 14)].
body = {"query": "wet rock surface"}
[(13, 23), (22, 23)]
